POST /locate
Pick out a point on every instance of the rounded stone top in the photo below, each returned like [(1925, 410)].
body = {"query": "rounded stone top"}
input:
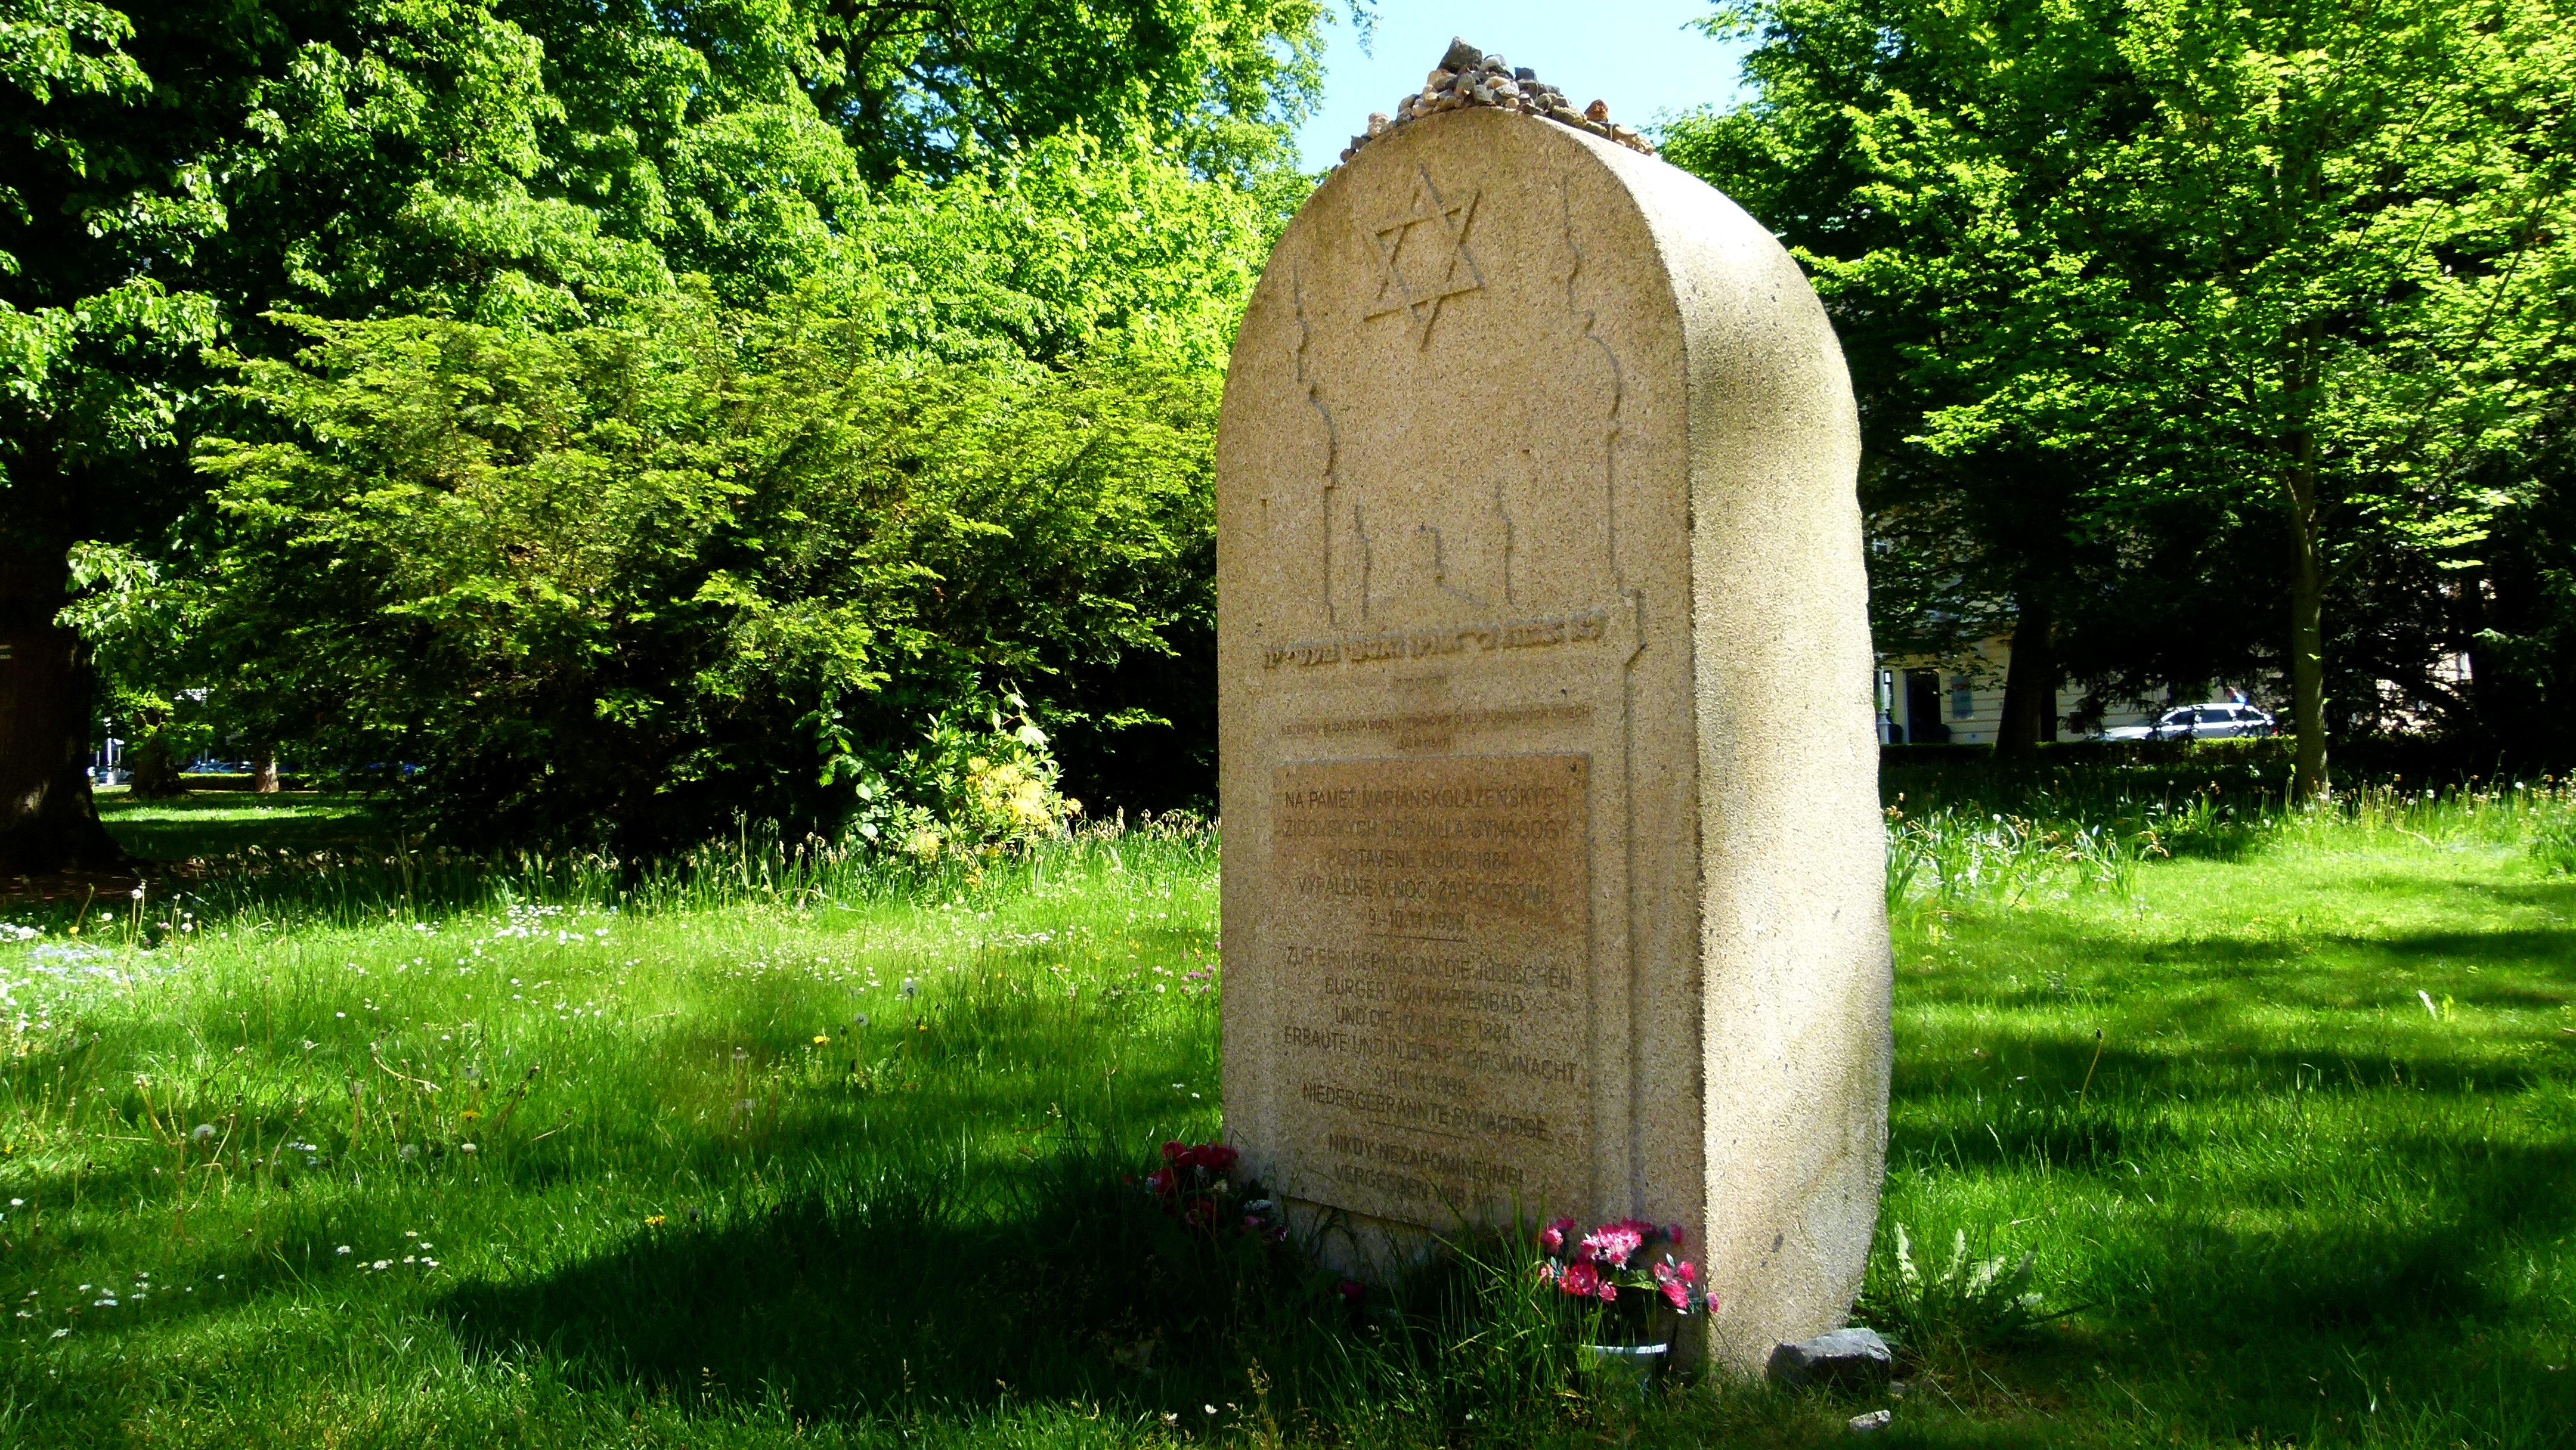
[(1570, 318)]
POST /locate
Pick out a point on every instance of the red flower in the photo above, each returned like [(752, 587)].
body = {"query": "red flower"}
[(1552, 1237), (1673, 1236), (1160, 1181), (1674, 1281), (1584, 1280), (1351, 1290)]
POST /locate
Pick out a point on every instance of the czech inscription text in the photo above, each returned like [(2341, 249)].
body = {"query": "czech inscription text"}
[(1432, 956)]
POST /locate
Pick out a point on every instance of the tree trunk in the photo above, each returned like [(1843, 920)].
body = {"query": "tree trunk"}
[(263, 774), (2308, 781), (151, 773), (48, 820), (2030, 684)]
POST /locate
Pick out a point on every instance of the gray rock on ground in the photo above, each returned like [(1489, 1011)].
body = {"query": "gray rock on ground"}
[(1854, 1358)]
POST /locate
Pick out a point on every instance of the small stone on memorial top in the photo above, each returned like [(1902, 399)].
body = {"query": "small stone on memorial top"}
[(1524, 75), (1461, 56), (1597, 111)]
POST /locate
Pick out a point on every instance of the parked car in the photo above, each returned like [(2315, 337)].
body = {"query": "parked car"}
[(2216, 721)]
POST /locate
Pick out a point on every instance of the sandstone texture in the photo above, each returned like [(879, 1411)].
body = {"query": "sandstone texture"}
[(1553, 860)]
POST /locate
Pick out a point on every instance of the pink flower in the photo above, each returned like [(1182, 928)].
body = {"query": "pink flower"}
[(1674, 1281), (1673, 1236), (1584, 1280), (1172, 1151), (1552, 1237), (1612, 1243), (1351, 1290)]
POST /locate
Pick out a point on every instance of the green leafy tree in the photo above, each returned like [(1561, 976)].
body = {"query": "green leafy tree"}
[(2289, 263), (634, 579), (94, 359), (999, 184)]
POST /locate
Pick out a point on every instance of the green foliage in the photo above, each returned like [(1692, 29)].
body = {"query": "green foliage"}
[(1965, 1304), (2135, 293), (2285, 1201), (975, 790), (995, 187), (642, 578), (2553, 843)]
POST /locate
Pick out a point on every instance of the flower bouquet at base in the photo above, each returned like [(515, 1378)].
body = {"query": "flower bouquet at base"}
[(1192, 1187), (1594, 1268)]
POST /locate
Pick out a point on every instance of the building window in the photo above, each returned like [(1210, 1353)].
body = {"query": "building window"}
[(1963, 698)]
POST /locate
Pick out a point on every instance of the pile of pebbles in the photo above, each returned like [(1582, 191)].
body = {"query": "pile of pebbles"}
[(1469, 77)]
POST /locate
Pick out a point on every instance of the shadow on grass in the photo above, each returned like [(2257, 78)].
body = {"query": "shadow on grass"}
[(211, 824), (891, 1296)]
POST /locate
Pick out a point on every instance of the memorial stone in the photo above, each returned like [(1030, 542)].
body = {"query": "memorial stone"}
[(1553, 877)]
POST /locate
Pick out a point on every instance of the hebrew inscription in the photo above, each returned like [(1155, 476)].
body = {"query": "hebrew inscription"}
[(1588, 626), (1433, 959)]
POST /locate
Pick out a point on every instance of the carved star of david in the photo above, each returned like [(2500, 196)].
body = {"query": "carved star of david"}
[(1445, 269)]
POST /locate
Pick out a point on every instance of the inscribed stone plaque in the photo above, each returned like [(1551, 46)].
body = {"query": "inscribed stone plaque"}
[(1437, 973), (1553, 866)]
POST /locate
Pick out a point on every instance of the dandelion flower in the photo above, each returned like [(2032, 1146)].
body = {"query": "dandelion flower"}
[(820, 1039), (654, 1221)]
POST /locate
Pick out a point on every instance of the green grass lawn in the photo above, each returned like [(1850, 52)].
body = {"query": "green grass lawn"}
[(211, 824), (769, 1154)]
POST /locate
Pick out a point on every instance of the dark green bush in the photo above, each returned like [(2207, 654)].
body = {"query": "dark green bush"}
[(628, 582)]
